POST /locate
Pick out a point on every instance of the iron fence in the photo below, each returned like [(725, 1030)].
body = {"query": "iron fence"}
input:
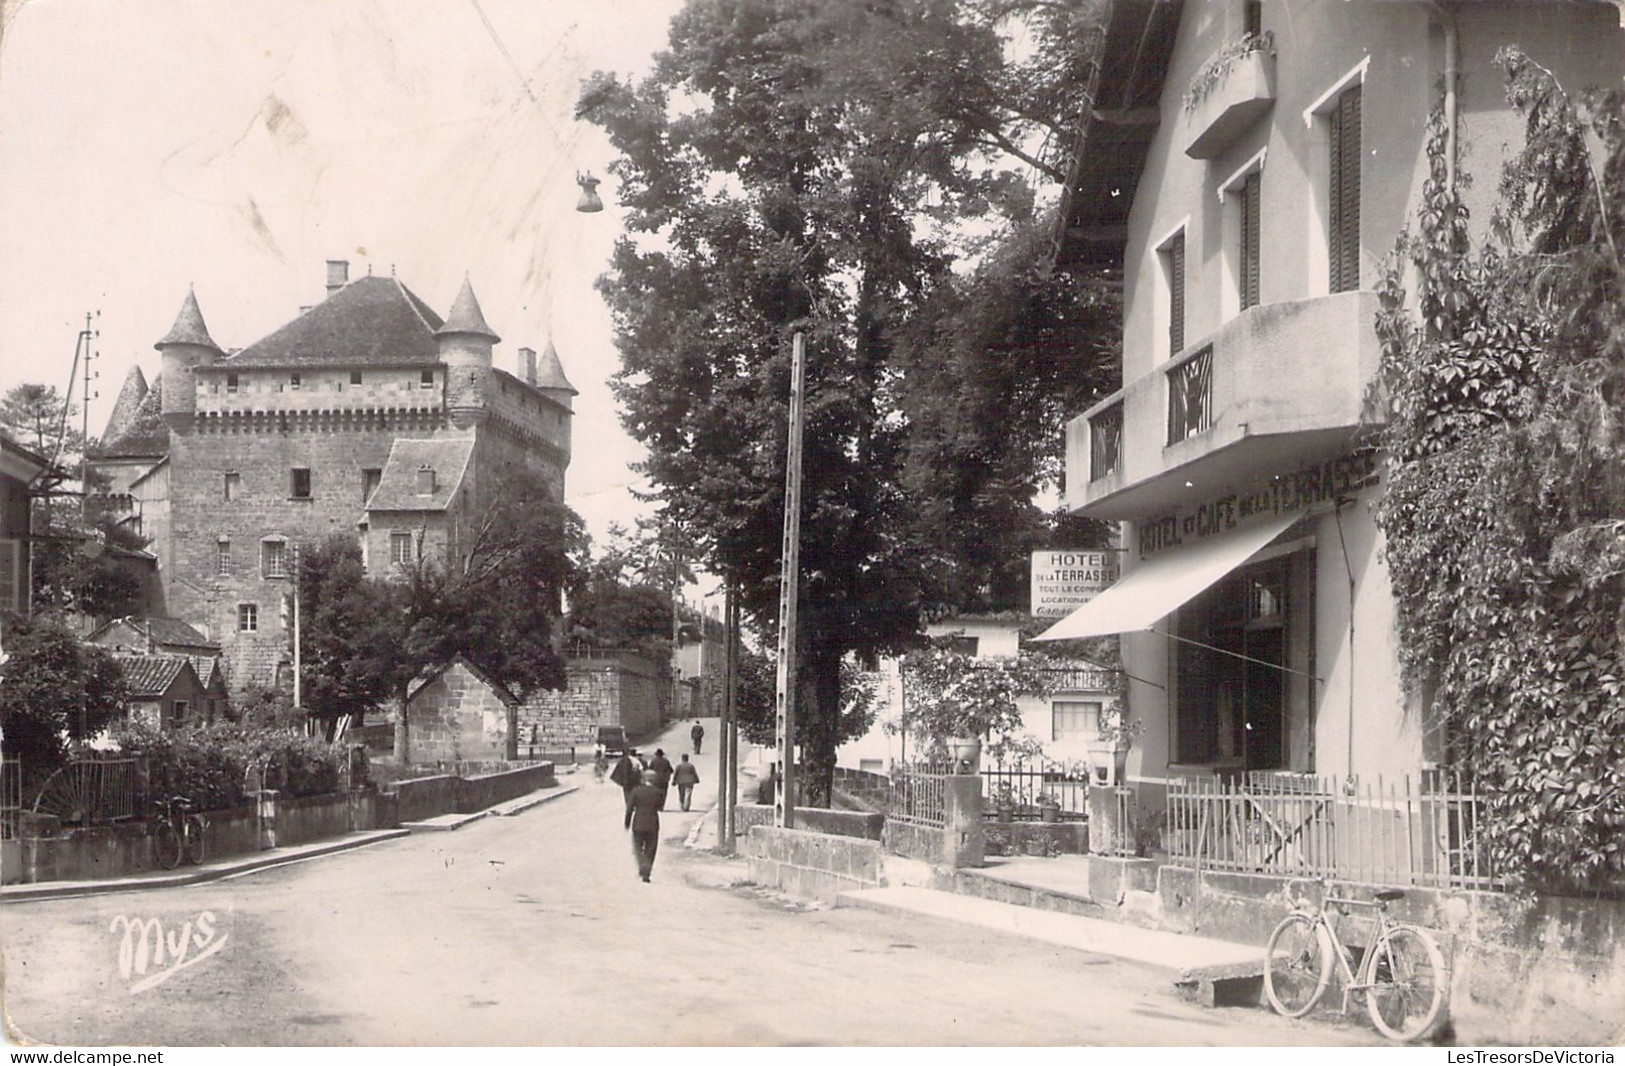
[(1017, 787), (1105, 442), (918, 795), (1407, 831), (11, 796), (91, 788), (1190, 395)]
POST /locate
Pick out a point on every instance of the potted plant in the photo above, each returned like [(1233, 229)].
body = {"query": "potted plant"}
[(1004, 802), (1108, 751), (1049, 807), (953, 701)]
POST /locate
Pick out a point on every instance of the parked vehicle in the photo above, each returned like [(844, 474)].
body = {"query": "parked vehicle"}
[(612, 740)]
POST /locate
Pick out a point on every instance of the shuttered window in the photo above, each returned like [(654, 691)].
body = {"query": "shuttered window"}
[(1249, 202), (1175, 262), (1345, 192)]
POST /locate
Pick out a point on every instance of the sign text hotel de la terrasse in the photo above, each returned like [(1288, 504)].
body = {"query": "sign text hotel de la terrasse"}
[(1305, 487), (1063, 581)]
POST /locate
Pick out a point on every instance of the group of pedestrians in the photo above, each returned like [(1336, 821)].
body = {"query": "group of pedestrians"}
[(645, 786)]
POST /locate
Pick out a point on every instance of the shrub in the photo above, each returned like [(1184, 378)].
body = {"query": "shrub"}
[(211, 766)]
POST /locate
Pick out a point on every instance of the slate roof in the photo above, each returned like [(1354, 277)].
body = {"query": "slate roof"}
[(550, 372), (149, 676), (189, 327), (145, 435), (398, 485), (372, 321), (209, 673), (130, 395), (466, 316)]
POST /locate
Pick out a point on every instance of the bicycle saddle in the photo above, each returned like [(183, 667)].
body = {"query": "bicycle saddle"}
[(1387, 895)]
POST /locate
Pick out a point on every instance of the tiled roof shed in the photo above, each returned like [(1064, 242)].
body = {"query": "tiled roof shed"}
[(150, 677), (371, 322)]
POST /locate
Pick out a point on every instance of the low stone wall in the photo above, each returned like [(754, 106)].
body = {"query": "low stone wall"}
[(118, 850), (301, 819), (418, 798), (810, 864), (861, 824), (1036, 838), (921, 842)]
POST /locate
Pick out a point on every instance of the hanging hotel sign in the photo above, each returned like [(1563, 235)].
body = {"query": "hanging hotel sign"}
[(1282, 494), (1063, 581)]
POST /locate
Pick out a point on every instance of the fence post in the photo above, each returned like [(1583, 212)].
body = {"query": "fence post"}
[(266, 800), (964, 841)]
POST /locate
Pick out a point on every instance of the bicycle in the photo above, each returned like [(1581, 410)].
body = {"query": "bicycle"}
[(181, 833), (1400, 971)]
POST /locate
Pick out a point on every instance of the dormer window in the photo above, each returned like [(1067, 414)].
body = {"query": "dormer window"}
[(426, 379), (231, 382), (425, 480), (293, 382)]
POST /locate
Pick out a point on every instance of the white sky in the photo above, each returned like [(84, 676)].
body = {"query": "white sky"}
[(236, 145)]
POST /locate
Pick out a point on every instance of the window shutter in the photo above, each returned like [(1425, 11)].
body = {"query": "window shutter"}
[(1176, 295), (1345, 192), (11, 577), (1250, 221)]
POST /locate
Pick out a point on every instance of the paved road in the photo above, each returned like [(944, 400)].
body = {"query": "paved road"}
[(536, 930)]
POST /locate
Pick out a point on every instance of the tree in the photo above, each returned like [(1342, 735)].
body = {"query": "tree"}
[(493, 597), (1505, 509), (54, 689), (805, 167), (754, 701)]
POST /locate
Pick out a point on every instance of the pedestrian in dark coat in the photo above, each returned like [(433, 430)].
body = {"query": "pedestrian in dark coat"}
[(627, 773), (686, 776), (643, 818), (697, 734), (662, 768)]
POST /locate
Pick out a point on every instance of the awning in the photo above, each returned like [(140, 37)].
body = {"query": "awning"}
[(1161, 585)]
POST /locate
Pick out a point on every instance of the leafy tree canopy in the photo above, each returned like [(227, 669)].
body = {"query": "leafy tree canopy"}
[(54, 689)]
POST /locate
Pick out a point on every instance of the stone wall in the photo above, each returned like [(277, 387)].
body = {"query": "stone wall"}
[(809, 864), (457, 716), (860, 824), (415, 799), (622, 690)]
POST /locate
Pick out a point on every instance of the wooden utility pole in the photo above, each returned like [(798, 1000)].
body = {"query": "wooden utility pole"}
[(727, 770), (784, 719)]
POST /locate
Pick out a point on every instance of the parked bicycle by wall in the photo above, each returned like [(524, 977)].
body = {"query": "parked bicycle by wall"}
[(1400, 972), (180, 834)]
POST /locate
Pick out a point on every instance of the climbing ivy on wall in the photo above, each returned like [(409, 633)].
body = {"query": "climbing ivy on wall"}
[(1505, 510)]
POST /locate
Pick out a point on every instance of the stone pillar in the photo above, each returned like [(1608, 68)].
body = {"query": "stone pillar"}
[(1110, 820), (266, 801), (964, 842)]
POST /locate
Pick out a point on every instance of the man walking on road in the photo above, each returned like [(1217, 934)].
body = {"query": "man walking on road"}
[(661, 767), (626, 774), (643, 818), (686, 777), (698, 734)]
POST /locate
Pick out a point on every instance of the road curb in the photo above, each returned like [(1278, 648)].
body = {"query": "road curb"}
[(202, 875), (525, 803)]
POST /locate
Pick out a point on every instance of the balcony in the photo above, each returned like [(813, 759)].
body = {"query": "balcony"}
[(1275, 386), (1237, 90)]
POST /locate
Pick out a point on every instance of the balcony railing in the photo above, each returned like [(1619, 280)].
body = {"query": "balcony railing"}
[(1105, 442), (1190, 395)]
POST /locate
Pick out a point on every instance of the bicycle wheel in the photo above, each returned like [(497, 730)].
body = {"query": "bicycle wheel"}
[(166, 845), (193, 830), (1297, 965), (1406, 983)]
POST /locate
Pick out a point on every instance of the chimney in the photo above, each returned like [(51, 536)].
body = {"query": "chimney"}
[(425, 480), (527, 365), (338, 275)]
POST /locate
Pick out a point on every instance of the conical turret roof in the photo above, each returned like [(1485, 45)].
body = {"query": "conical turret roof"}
[(466, 317), (127, 405), (188, 327), (550, 372)]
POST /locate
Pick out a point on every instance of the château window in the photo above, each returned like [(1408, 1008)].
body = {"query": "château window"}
[(400, 549), (355, 377), (248, 617), (426, 379), (299, 483), (222, 557), (293, 382), (274, 557), (231, 382), (233, 485), (370, 478)]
